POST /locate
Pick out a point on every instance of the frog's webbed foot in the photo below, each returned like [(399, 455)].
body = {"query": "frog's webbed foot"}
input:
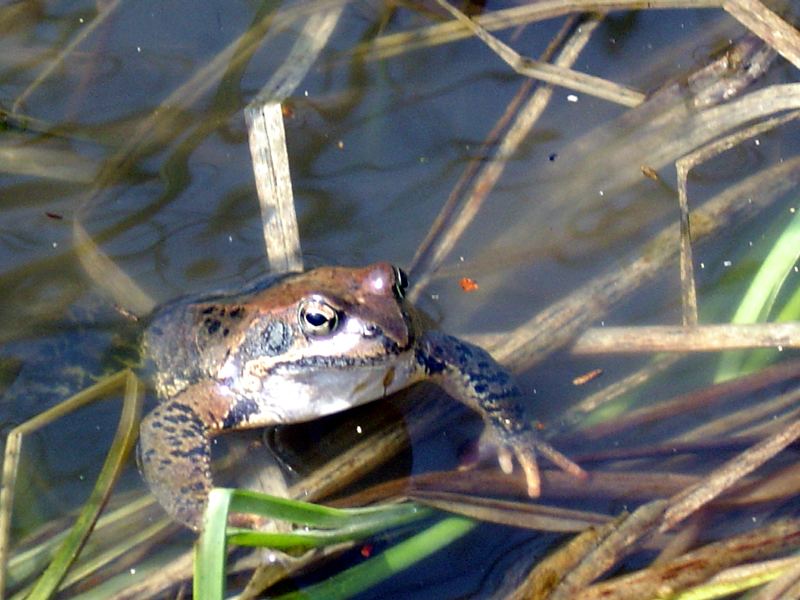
[(523, 445), (471, 375)]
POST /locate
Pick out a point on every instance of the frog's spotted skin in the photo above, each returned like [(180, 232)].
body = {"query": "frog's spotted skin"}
[(296, 348), (469, 374)]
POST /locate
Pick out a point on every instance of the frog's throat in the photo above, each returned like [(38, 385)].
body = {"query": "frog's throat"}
[(294, 393)]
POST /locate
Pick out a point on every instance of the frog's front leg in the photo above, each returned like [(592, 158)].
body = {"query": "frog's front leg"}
[(471, 375), (174, 451)]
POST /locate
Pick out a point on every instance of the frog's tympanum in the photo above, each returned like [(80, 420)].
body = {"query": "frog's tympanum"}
[(297, 347)]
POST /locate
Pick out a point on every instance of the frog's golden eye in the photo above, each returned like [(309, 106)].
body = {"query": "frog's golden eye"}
[(317, 317), (400, 282)]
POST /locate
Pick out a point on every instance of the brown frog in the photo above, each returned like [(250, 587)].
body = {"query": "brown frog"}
[(296, 347)]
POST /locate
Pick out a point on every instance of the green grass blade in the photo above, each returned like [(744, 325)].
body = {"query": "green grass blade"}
[(790, 310), (124, 440), (211, 547), (389, 518), (760, 297), (312, 515), (344, 524), (390, 562), (285, 509)]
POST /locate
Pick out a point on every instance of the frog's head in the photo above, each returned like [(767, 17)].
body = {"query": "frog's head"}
[(307, 345), (323, 341)]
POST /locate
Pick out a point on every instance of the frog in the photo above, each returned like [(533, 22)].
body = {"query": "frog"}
[(296, 347)]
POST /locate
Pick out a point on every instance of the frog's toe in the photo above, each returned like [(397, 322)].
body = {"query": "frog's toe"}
[(508, 447), (524, 446), (506, 460), (560, 460), (527, 460)]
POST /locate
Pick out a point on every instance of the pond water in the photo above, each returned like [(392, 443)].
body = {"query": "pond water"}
[(375, 147)]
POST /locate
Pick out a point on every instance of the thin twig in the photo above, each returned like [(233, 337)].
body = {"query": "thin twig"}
[(746, 421), (538, 517)]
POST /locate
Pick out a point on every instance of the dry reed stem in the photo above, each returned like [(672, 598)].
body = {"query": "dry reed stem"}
[(555, 326), (620, 542), (765, 569), (123, 290), (696, 567), (270, 161), (633, 486), (777, 486), (268, 144), (756, 573), (773, 423), (679, 544), (785, 586), (677, 338), (686, 262), (399, 43), (743, 421), (423, 253), (780, 35), (694, 400), (728, 474), (524, 514), (546, 573), (553, 74), (440, 242)]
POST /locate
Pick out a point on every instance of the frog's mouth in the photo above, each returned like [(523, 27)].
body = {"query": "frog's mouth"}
[(316, 386)]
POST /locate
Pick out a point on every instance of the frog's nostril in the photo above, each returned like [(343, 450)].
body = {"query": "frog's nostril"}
[(380, 278)]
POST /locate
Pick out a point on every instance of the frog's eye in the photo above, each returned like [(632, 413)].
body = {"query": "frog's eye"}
[(317, 317), (400, 282)]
